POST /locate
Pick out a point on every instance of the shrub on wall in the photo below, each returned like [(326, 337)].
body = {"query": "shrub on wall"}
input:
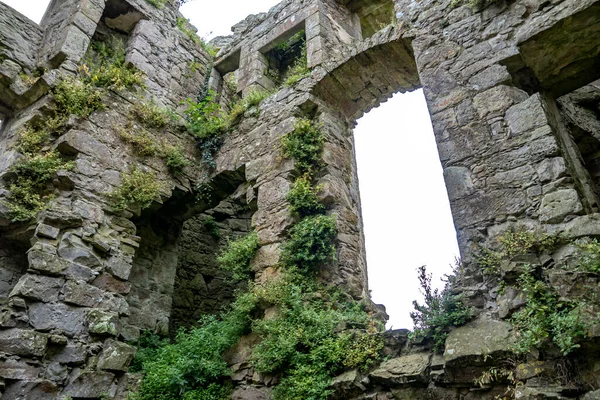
[(303, 197), (311, 243), (238, 254), (138, 188), (104, 65), (440, 311), (305, 145), (31, 190), (546, 318)]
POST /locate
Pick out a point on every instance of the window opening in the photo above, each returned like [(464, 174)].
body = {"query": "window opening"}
[(405, 207)]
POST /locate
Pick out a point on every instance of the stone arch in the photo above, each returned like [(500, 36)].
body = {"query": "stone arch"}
[(369, 73), (174, 277)]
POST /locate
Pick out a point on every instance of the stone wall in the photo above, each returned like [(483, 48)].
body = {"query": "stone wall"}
[(89, 277)]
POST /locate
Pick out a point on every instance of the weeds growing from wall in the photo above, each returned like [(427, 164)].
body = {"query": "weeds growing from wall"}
[(32, 190), (138, 188), (184, 26), (546, 318), (303, 197), (298, 70), (440, 312), (305, 145), (210, 225), (237, 256), (104, 66), (311, 243), (301, 342), (513, 243)]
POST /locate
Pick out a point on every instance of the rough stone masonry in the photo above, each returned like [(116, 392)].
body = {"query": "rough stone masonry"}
[(512, 92)]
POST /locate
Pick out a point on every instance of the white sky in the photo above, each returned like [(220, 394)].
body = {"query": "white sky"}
[(404, 202)]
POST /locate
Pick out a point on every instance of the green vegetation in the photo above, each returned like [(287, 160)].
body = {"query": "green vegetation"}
[(185, 27), (174, 159), (298, 70), (303, 343), (31, 190), (303, 197), (192, 366), (207, 121), (104, 66), (588, 255), (311, 243), (157, 3), (238, 254), (513, 243), (150, 114), (138, 188), (545, 317), (305, 145), (439, 313), (143, 141), (210, 225)]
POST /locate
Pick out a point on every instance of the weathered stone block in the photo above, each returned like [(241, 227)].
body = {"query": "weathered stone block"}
[(23, 342), (116, 356), (14, 369), (31, 390), (103, 322), (38, 287), (458, 182), (70, 320), (469, 343), (109, 283), (557, 205), (526, 116), (73, 249), (47, 231), (412, 368), (92, 384)]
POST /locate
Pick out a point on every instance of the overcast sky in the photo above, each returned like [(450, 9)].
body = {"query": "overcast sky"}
[(404, 202)]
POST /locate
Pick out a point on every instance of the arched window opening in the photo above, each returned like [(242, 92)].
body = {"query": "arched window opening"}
[(405, 207)]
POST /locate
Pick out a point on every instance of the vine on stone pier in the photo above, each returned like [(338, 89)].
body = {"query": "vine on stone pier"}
[(301, 343)]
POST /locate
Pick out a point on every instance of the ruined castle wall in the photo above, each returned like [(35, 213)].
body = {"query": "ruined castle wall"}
[(95, 277)]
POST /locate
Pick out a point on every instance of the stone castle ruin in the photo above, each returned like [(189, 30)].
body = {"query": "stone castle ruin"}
[(513, 91)]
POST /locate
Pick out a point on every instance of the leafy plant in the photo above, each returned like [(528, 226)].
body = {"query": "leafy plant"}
[(157, 3), (303, 197), (311, 243), (252, 99), (148, 346), (588, 255), (210, 225), (305, 145), (143, 141), (104, 65), (544, 317), (185, 27), (31, 190), (175, 160), (150, 114), (238, 254), (513, 243), (298, 70), (138, 188), (303, 343), (441, 311), (192, 366)]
